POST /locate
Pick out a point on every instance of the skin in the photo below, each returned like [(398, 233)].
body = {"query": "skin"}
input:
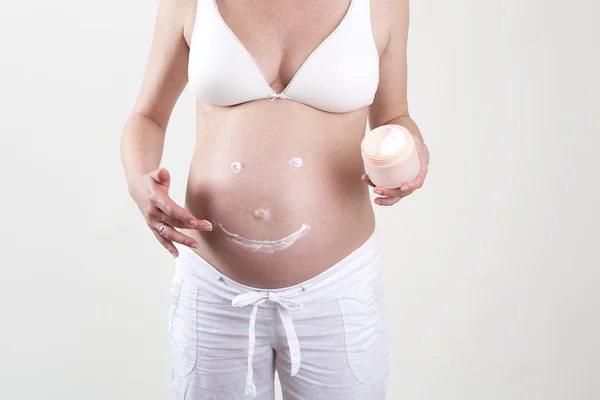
[(328, 192)]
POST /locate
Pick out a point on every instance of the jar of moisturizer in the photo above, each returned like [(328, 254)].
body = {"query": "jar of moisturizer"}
[(390, 156)]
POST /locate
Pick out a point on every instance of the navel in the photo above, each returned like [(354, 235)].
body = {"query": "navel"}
[(262, 214)]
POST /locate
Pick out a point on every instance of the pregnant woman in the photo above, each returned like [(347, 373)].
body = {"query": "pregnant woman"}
[(277, 261)]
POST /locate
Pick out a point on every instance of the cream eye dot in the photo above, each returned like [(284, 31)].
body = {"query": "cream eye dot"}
[(236, 167), (295, 162)]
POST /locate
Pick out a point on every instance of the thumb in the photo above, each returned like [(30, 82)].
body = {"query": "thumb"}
[(161, 175)]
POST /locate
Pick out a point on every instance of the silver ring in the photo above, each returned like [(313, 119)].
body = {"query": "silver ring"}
[(162, 228)]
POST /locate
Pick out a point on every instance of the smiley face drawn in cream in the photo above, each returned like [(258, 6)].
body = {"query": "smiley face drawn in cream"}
[(262, 214), (266, 246)]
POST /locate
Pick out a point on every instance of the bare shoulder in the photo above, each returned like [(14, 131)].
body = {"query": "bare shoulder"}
[(178, 14), (387, 16), (189, 7)]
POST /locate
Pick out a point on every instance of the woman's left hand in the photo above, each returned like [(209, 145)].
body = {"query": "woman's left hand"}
[(390, 196)]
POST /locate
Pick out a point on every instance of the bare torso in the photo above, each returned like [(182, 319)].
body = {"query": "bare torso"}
[(269, 199)]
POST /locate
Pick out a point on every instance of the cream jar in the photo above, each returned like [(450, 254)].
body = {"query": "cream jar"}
[(390, 156)]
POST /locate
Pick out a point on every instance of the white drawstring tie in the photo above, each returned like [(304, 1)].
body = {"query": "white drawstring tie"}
[(284, 307)]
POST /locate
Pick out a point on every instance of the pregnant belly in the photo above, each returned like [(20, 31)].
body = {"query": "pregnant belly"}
[(282, 211)]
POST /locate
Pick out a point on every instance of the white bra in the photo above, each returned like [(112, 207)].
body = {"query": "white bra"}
[(340, 75)]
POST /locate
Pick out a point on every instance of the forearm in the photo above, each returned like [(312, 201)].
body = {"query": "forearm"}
[(142, 143)]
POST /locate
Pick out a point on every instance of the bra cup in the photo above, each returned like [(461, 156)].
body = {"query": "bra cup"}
[(337, 81), (343, 73), (224, 80)]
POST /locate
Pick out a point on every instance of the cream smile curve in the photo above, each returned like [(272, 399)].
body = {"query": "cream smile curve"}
[(266, 246)]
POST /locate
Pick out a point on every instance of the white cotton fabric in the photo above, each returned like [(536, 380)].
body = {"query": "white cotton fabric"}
[(327, 337)]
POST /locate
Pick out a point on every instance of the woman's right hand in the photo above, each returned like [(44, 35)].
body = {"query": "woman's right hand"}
[(151, 193)]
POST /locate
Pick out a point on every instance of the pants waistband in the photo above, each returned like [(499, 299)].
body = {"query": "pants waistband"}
[(356, 266)]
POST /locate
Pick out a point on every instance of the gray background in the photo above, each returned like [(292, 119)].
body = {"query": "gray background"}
[(491, 269)]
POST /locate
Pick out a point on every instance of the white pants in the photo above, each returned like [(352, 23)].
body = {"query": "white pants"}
[(327, 336)]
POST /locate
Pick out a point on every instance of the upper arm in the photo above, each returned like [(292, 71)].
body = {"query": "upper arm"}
[(391, 98), (165, 75)]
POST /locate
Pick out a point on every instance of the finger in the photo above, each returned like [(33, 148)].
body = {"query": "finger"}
[(166, 243), (404, 190), (171, 208), (401, 191), (366, 179), (413, 185), (159, 217), (155, 215), (162, 176), (201, 225), (386, 201), (173, 235)]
